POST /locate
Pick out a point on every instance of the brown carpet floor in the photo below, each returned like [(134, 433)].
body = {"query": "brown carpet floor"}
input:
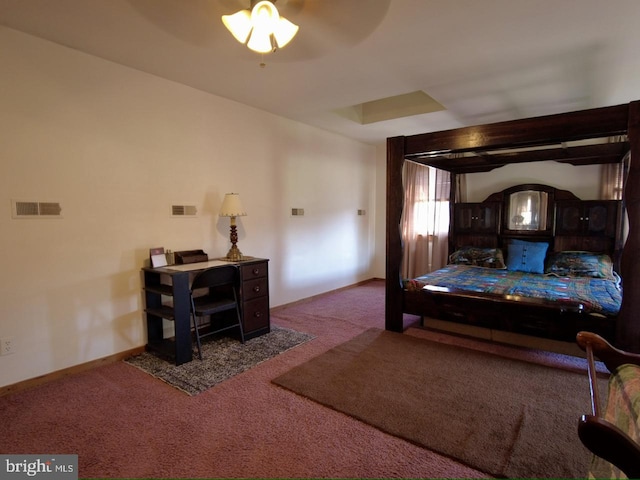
[(123, 423)]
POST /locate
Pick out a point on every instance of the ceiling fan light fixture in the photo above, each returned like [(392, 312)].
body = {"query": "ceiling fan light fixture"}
[(262, 29)]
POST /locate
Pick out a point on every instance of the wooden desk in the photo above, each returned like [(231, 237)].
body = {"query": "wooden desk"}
[(166, 293)]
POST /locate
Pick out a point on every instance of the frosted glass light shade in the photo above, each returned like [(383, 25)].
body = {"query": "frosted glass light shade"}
[(260, 40), (264, 15), (239, 24), (285, 32)]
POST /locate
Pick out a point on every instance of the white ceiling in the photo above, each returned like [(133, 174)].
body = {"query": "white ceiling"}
[(483, 60)]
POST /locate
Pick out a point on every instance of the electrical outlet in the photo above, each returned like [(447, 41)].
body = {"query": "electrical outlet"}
[(7, 345)]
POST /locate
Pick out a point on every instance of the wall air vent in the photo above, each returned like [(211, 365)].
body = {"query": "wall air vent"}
[(31, 209), (184, 211)]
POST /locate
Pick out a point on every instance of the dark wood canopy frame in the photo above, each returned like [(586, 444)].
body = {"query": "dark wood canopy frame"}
[(486, 147)]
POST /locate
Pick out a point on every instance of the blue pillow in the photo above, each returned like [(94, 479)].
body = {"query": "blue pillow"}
[(527, 256)]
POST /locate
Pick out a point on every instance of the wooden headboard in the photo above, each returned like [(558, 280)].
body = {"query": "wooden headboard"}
[(548, 138), (565, 222)]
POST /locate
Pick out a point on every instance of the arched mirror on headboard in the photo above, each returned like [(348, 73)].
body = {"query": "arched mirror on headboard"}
[(527, 210)]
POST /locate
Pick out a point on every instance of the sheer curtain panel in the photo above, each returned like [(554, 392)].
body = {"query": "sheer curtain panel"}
[(425, 219)]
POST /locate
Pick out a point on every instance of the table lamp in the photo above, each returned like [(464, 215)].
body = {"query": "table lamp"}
[(232, 208)]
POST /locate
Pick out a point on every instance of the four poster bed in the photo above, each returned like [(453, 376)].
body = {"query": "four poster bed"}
[(552, 273)]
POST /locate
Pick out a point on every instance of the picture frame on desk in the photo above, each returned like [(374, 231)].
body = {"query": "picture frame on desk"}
[(157, 257)]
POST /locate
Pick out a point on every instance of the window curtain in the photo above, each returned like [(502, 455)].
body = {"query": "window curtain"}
[(460, 180), (613, 175), (425, 219)]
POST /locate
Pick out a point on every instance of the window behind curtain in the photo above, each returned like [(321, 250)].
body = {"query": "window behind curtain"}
[(613, 175), (425, 219)]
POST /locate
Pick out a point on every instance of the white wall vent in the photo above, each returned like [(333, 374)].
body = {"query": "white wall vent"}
[(31, 209), (184, 211)]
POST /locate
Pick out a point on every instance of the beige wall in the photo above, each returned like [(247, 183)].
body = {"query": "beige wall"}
[(116, 147), (582, 181)]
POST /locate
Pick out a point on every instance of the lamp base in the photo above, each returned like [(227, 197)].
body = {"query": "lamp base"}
[(234, 254)]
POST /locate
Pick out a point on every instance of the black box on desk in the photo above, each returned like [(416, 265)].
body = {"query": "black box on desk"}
[(190, 256)]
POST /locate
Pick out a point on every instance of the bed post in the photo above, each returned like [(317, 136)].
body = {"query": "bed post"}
[(628, 324), (395, 204)]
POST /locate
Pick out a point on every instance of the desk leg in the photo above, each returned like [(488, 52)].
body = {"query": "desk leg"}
[(181, 308), (152, 301)]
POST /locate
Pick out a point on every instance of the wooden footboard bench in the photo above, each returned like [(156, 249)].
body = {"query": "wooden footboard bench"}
[(510, 313), (612, 431)]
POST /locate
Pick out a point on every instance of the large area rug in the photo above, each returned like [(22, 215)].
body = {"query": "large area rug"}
[(505, 417), (223, 358)]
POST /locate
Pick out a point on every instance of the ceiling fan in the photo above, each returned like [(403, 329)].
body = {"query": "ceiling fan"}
[(324, 25)]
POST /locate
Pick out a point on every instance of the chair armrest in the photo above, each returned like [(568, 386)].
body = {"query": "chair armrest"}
[(607, 441), (607, 353)]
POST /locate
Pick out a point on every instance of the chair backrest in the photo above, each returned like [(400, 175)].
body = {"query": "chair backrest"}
[(216, 276)]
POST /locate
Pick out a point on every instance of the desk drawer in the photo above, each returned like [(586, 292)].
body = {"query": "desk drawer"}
[(255, 288), (256, 315), (254, 270)]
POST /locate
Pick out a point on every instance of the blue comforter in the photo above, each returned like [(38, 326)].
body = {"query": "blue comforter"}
[(595, 294)]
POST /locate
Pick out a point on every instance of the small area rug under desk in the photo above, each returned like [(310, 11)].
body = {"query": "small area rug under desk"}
[(223, 358)]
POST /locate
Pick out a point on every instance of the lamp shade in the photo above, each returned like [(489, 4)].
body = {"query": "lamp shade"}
[(231, 206)]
